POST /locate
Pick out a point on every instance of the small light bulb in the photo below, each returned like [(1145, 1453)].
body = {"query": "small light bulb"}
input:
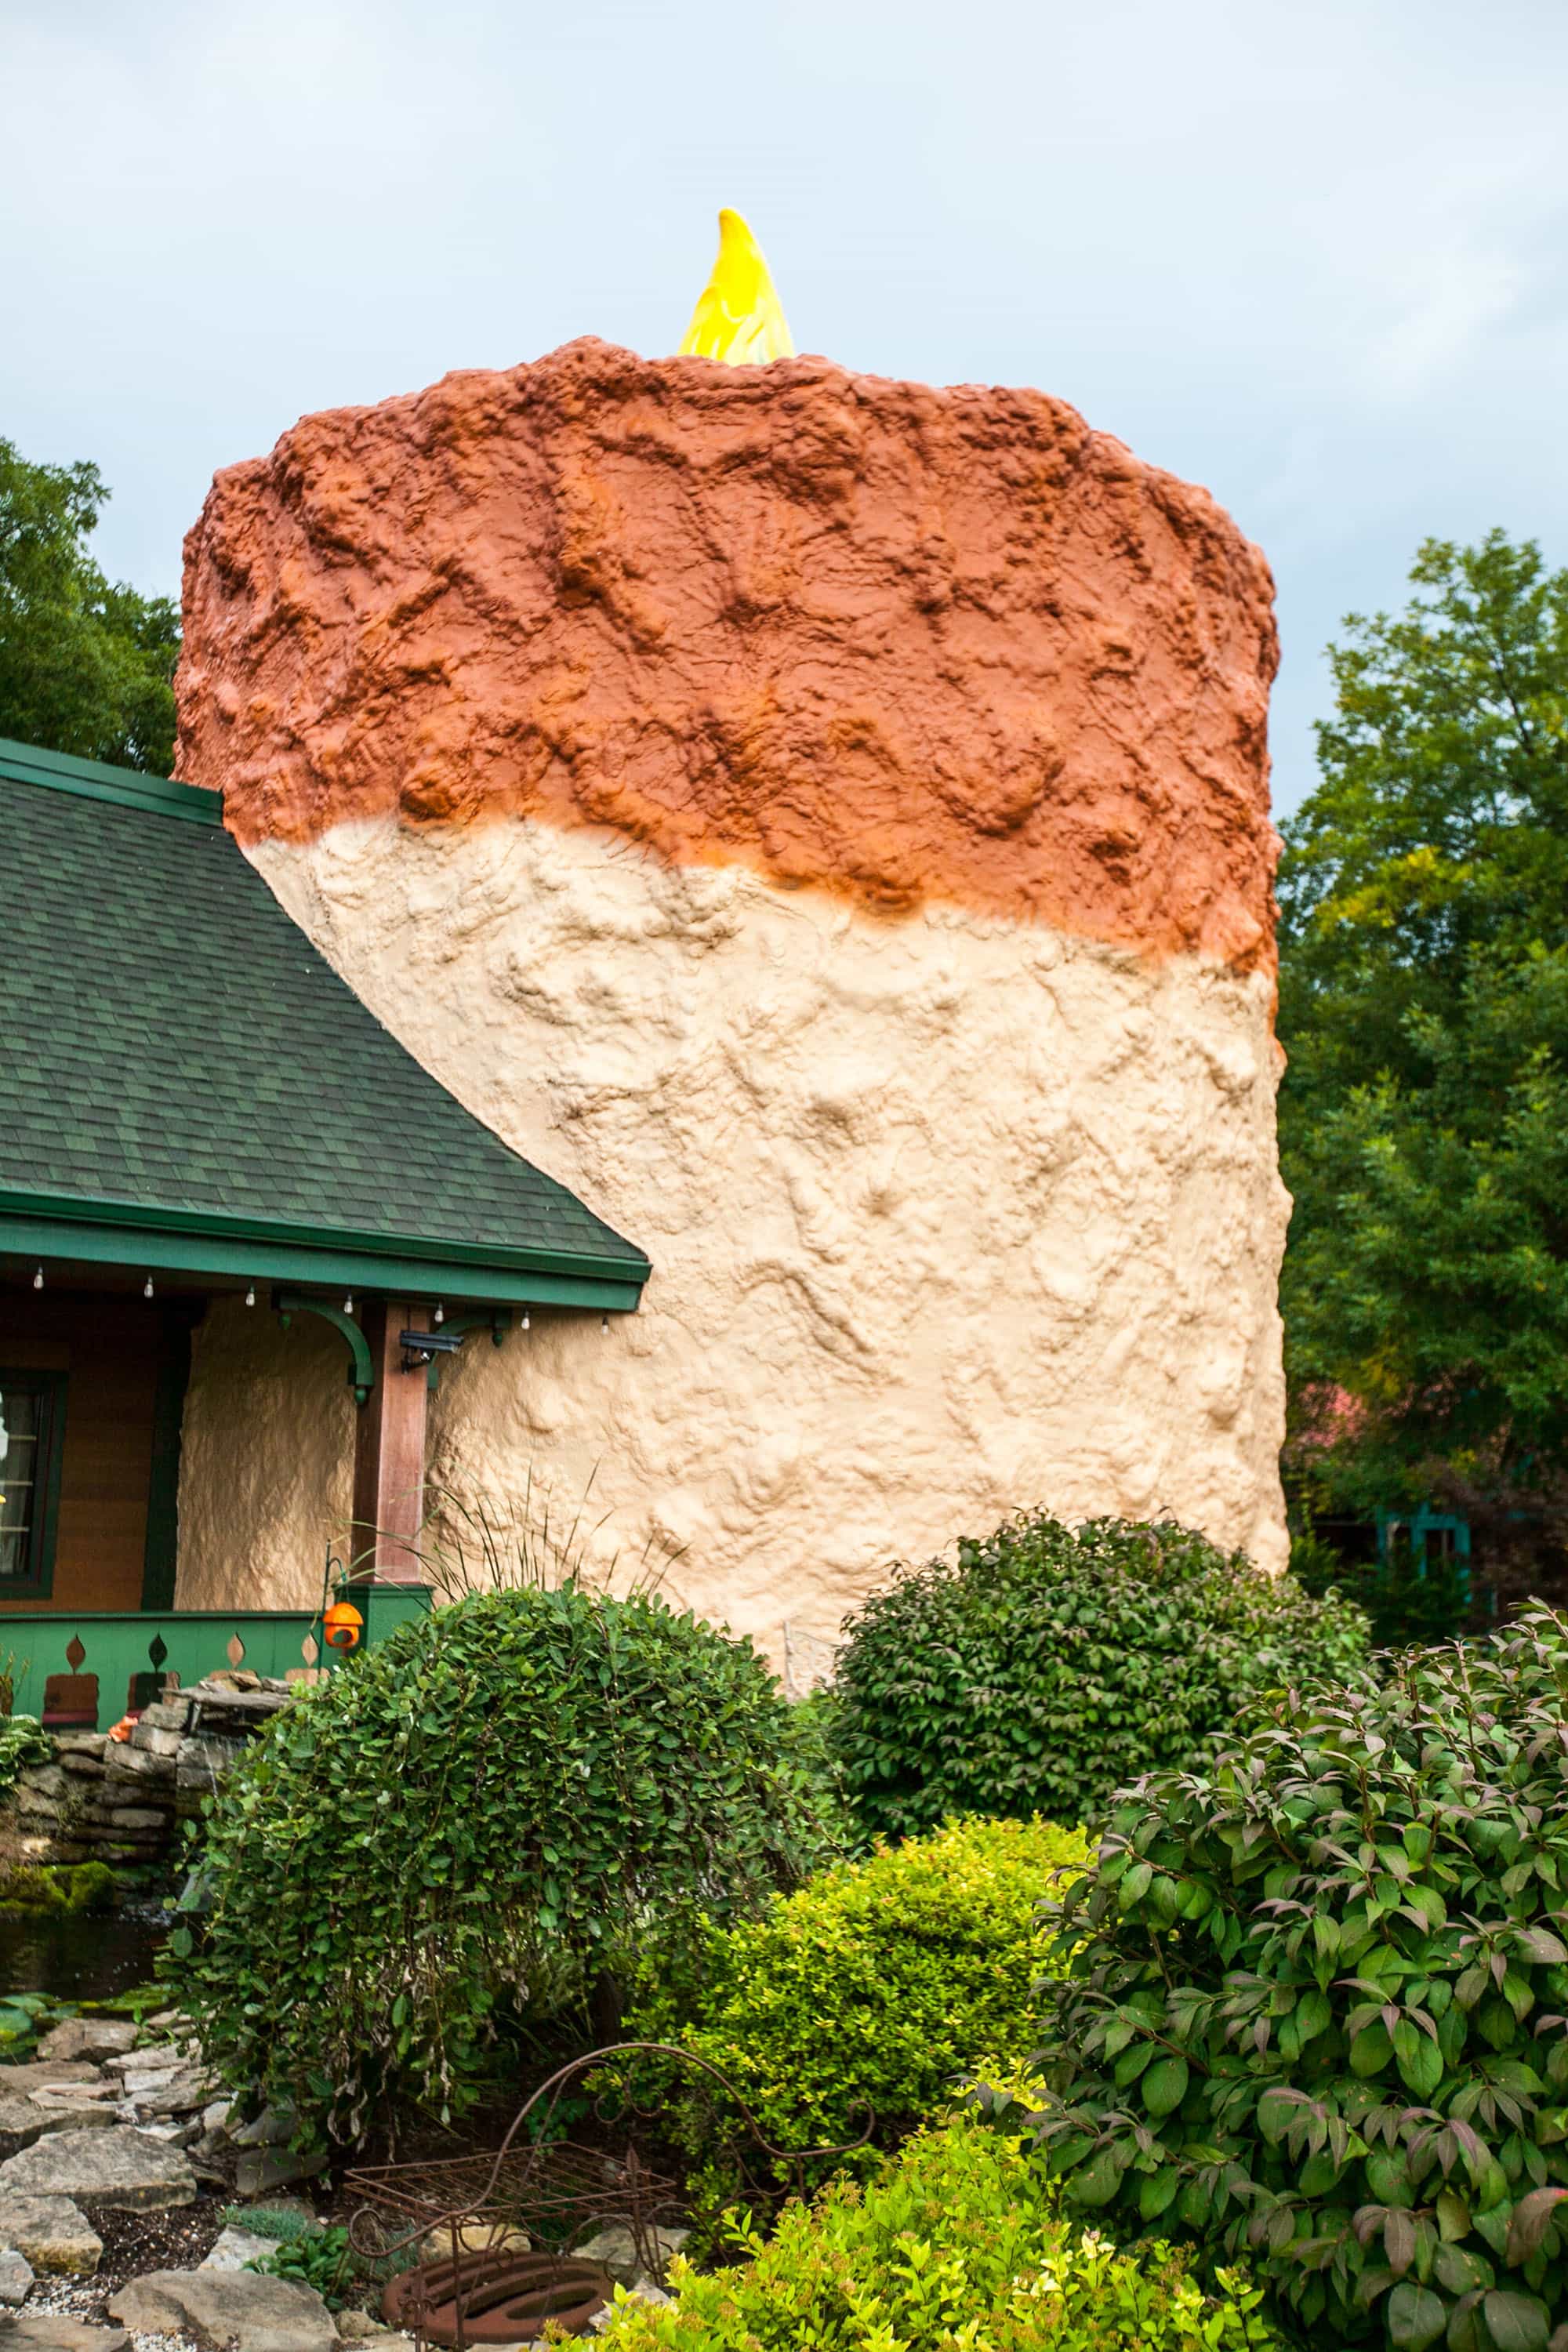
[(349, 1303), (250, 1295), (524, 1316), (441, 1312), (39, 1279), (147, 1287), (604, 1322)]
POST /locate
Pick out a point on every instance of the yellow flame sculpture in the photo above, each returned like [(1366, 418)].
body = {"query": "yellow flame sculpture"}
[(739, 316)]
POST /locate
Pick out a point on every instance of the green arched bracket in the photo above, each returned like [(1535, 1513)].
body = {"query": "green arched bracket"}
[(362, 1371), (496, 1320)]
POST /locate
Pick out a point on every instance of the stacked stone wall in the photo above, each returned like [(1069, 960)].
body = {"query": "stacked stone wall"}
[(125, 1801)]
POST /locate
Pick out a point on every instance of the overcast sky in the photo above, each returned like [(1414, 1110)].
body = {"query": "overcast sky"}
[(1309, 252)]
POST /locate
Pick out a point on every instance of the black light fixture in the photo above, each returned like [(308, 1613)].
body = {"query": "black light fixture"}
[(421, 1348)]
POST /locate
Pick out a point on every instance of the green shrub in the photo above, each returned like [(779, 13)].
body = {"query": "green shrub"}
[(323, 2259), (1047, 1667), (873, 1986), (1311, 2007), (492, 1808), (955, 2244), (23, 1741)]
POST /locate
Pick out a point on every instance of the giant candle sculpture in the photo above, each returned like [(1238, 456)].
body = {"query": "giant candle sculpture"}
[(824, 821)]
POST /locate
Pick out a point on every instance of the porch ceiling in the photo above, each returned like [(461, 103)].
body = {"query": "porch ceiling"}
[(186, 1085)]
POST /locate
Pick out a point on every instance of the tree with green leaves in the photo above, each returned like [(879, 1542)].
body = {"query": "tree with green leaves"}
[(1423, 1006), (87, 665)]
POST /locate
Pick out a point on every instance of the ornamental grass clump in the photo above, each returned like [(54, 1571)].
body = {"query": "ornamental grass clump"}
[(1047, 1666), (1312, 2007), (486, 1814), (956, 2245), (862, 1998)]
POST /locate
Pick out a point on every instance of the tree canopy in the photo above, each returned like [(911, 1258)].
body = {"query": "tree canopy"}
[(86, 664), (1423, 1006)]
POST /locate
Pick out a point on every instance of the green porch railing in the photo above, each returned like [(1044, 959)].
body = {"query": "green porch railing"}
[(103, 1664)]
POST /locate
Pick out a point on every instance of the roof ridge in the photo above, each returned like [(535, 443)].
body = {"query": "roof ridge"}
[(61, 771)]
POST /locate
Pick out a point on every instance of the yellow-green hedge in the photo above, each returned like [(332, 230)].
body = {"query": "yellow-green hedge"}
[(956, 2242), (873, 1985)]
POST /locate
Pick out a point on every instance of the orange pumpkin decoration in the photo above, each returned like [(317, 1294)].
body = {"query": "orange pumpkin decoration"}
[(343, 1626)]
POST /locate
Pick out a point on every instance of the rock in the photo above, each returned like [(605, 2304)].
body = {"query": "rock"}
[(615, 2250), (263, 2315), (79, 1743), (215, 2117), (128, 2170), (360, 2326), (474, 2238), (43, 1779), (30, 2118), (88, 2037), (16, 2277), (136, 1817), (40, 2074), (202, 1760), (54, 2235), (270, 2128), (52, 2331), (261, 2169), (182, 2093), (232, 2249), (160, 2058), (641, 2290), (168, 2020), (126, 1763), (148, 1739), (165, 1715)]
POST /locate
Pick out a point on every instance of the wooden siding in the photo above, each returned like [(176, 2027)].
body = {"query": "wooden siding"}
[(108, 1349)]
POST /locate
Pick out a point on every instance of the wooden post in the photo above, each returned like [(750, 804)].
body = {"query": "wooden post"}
[(389, 1452)]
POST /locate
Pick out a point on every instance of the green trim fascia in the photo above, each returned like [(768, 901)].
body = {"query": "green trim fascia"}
[(25, 764), (335, 1269), (274, 1234)]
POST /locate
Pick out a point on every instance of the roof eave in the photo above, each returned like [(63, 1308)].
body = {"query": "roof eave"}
[(46, 1225)]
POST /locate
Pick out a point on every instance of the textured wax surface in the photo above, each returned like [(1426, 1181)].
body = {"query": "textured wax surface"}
[(947, 1216), (902, 642)]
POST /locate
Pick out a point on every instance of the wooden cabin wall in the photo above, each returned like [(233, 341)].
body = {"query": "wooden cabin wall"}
[(108, 1349)]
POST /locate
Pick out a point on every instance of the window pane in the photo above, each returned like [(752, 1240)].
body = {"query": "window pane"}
[(18, 1467)]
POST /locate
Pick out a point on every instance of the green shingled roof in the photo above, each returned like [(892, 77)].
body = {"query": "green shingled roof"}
[(186, 1081)]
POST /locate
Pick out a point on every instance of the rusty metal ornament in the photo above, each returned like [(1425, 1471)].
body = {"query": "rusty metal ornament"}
[(496, 2298), (557, 2191)]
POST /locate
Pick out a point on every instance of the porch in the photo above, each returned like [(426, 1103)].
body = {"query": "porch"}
[(242, 1232)]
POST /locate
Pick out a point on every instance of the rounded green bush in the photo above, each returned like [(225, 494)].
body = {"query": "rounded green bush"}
[(1311, 2007), (495, 1807), (1047, 1666), (873, 1986), (957, 2242)]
